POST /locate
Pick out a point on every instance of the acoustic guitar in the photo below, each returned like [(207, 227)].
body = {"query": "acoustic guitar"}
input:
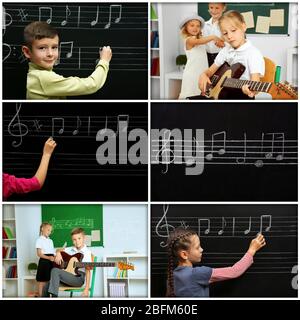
[(71, 264), (227, 77)]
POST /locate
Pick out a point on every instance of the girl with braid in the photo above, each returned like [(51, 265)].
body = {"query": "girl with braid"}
[(184, 250)]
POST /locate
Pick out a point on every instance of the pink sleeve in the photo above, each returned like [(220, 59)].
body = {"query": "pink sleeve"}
[(221, 274), (11, 185)]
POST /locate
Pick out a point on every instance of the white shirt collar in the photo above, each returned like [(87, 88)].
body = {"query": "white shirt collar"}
[(243, 47), (43, 237), (82, 250), (210, 22)]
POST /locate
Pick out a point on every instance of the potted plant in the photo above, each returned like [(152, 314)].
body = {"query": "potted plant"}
[(181, 61), (32, 268)]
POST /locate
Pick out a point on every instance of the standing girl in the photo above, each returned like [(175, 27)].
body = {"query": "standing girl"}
[(195, 53), (45, 251), (240, 50), (212, 28), (187, 281)]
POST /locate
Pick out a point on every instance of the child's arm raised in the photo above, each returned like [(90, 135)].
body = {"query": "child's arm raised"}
[(192, 41), (54, 85), (42, 170), (221, 274)]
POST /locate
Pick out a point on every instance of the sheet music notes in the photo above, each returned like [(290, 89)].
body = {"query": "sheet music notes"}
[(218, 145), (45, 14), (68, 13), (112, 8), (94, 22)]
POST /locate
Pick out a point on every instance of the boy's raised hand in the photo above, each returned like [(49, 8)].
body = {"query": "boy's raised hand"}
[(106, 53), (49, 146), (256, 244)]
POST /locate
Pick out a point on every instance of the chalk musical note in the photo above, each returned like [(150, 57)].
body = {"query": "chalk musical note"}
[(165, 226), (249, 226), (233, 226), (243, 158), (207, 230), (48, 11), (94, 22), (6, 20), (68, 13), (22, 14), (218, 145), (268, 217), (6, 55), (37, 125), (62, 127), (76, 131), (65, 50), (21, 127), (221, 231), (165, 151), (117, 20), (276, 142)]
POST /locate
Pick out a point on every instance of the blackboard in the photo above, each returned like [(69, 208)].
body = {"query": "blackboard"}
[(65, 217), (83, 28), (225, 234), (75, 174), (242, 151), (258, 9)]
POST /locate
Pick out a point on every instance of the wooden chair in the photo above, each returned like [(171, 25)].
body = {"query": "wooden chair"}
[(270, 70), (72, 290)]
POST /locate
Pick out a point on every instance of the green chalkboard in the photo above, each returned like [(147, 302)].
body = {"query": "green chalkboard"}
[(258, 9), (65, 217)]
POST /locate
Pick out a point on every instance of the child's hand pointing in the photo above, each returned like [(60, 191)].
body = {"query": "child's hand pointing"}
[(106, 53), (256, 244)]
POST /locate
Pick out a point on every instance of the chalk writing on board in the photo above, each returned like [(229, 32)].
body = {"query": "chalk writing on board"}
[(73, 57), (104, 16), (219, 227), (272, 148), (59, 224)]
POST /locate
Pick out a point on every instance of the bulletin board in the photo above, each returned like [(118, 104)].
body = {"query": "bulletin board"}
[(258, 10), (65, 217)]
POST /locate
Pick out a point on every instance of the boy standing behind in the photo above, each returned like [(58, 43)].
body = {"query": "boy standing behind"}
[(41, 48)]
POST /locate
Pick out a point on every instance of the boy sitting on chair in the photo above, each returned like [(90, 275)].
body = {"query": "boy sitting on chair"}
[(59, 276)]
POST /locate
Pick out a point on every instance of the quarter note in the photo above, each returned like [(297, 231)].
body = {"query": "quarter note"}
[(76, 131), (249, 226), (94, 22)]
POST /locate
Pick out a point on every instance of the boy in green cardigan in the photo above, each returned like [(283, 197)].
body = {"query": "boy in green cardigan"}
[(41, 48)]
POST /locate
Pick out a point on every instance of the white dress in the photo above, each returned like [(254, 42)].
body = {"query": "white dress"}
[(196, 64)]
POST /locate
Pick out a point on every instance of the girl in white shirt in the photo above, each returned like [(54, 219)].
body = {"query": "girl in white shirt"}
[(45, 251), (196, 54), (212, 28), (240, 50)]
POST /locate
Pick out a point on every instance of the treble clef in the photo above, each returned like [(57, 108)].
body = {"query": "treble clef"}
[(21, 127), (164, 151), (163, 224)]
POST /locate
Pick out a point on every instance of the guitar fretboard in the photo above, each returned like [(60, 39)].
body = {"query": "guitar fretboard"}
[(253, 85), (95, 264)]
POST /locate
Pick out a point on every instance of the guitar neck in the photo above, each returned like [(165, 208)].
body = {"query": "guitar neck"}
[(95, 264), (253, 85)]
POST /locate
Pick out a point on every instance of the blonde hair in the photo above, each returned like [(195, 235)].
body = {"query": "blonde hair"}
[(184, 32), (44, 224), (77, 231), (234, 16)]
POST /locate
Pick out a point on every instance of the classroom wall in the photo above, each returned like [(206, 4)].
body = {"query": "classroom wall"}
[(272, 46), (125, 229)]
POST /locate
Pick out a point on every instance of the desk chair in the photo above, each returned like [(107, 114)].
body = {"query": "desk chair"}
[(270, 70), (80, 289)]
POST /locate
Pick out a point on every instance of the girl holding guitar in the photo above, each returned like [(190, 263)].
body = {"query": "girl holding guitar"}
[(239, 50)]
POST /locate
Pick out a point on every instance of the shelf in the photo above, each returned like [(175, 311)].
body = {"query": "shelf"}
[(9, 220), (10, 279), (10, 259), (138, 278), (155, 49), (155, 77), (112, 278), (12, 239), (154, 20)]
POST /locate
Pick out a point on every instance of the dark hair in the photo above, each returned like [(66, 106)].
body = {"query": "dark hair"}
[(179, 239), (38, 30), (77, 230)]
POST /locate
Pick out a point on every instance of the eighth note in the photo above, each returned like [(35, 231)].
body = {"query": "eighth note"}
[(117, 20), (68, 13)]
